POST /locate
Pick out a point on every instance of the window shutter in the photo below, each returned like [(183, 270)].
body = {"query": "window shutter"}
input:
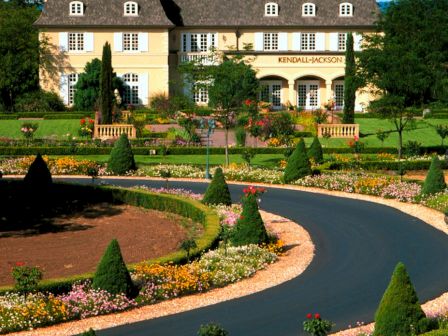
[(143, 88), (143, 42), (282, 41), (63, 41), (63, 88), (258, 45), (296, 41), (118, 42), (334, 41), (215, 45), (88, 42), (320, 41), (188, 42), (357, 41)]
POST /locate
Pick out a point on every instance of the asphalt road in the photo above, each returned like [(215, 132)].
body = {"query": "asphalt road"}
[(357, 243)]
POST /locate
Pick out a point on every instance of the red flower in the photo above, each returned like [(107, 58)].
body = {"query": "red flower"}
[(317, 316), (91, 121), (248, 102), (20, 264), (241, 217), (309, 315), (82, 121)]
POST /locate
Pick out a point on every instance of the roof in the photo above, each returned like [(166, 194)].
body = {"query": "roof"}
[(250, 13), (103, 13)]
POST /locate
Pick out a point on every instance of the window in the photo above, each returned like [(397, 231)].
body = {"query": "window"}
[(131, 8), (75, 41), (309, 9), (271, 91), (308, 42), (200, 42), (342, 41), (271, 9), (76, 8), (339, 94), (308, 95), (130, 95), (346, 9), (72, 80), (270, 41), (130, 42), (200, 94)]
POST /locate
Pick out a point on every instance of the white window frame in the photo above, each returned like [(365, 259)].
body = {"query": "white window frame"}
[(271, 41), (270, 84), (346, 9), (76, 42), (130, 42), (210, 39), (72, 79), (199, 94), (132, 92), (76, 8), (130, 8), (338, 83), (271, 9), (308, 83), (308, 41), (342, 41), (308, 9)]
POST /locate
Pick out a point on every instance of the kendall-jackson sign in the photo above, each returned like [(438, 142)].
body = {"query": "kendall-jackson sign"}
[(312, 59)]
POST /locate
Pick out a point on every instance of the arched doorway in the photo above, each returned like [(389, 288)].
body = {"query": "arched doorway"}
[(273, 91)]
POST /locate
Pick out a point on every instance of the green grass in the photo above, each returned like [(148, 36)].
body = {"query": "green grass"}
[(47, 128)]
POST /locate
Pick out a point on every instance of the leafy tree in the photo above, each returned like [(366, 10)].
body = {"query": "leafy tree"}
[(382, 136), (249, 228), (399, 311), (298, 164), (19, 51), (217, 191), (315, 151), (435, 179), (121, 158), (38, 174), (87, 88), (188, 245), (442, 131), (111, 274), (106, 88), (407, 57), (350, 82), (212, 329)]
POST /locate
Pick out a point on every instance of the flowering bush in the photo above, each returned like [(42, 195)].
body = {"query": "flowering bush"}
[(26, 278), (316, 326), (28, 130), (356, 145), (86, 126), (172, 191)]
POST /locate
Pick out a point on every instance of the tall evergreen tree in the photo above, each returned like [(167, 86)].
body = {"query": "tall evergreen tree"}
[(350, 85), (298, 165), (315, 151), (121, 158), (435, 179), (217, 191), (106, 91)]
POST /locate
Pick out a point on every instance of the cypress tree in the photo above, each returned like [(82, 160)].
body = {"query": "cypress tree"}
[(435, 179), (250, 227), (350, 86), (38, 174), (121, 158), (111, 274), (399, 310), (315, 151), (298, 164), (106, 90), (217, 191)]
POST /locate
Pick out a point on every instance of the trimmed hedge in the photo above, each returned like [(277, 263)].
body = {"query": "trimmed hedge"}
[(385, 165), (168, 203), (439, 332), (46, 115)]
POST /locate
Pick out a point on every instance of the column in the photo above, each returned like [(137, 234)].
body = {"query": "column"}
[(329, 90), (292, 93)]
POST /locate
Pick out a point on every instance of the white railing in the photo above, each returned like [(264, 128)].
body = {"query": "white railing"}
[(202, 58), (113, 131), (338, 130)]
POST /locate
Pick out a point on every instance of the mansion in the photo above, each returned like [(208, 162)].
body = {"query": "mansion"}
[(296, 46)]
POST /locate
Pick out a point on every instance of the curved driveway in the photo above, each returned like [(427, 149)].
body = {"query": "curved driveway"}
[(358, 244)]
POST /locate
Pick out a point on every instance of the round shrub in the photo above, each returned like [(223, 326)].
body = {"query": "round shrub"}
[(435, 180), (298, 164), (39, 101), (399, 311), (249, 228), (315, 151), (111, 274), (121, 158), (212, 329), (38, 174), (89, 332), (217, 191)]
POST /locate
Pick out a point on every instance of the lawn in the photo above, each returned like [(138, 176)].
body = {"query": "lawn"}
[(47, 128)]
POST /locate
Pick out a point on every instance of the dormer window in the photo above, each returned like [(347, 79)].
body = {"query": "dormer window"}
[(309, 9), (130, 8), (76, 8), (346, 9), (271, 9)]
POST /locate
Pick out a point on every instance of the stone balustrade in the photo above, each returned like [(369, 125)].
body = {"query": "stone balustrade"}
[(338, 130), (113, 131)]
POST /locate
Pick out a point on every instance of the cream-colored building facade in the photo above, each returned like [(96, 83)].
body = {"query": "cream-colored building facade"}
[(297, 47)]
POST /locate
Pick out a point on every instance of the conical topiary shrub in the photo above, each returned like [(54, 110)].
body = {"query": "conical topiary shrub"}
[(298, 165), (249, 228), (217, 191), (121, 158), (315, 151), (38, 174), (435, 180), (399, 310), (111, 273)]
